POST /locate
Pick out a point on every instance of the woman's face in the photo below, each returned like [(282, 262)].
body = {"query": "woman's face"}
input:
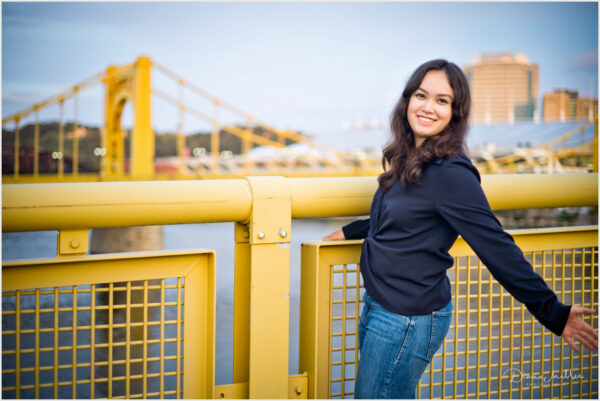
[(430, 106)]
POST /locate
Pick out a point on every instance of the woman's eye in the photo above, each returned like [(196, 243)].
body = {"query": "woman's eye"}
[(443, 101), (420, 95)]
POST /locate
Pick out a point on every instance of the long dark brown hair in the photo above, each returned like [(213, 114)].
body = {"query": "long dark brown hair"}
[(401, 159)]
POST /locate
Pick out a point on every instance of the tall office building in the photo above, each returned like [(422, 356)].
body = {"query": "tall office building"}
[(503, 88), (560, 105), (587, 108), (564, 104)]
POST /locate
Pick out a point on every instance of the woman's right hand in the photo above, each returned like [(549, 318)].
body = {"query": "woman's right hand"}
[(335, 236)]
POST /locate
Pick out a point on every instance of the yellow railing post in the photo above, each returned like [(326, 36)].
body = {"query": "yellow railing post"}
[(269, 255), (241, 304)]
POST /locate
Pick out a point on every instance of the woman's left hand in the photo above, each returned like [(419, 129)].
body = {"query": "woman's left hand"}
[(577, 328)]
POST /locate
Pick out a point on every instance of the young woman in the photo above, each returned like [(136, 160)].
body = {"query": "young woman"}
[(428, 194)]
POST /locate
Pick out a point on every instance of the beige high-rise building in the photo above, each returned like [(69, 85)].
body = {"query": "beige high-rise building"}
[(504, 88), (560, 105), (587, 108), (564, 104)]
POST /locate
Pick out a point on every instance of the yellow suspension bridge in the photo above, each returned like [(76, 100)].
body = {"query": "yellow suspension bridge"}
[(133, 84)]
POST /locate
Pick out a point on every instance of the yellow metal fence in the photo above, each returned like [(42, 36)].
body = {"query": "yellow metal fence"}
[(142, 324), (116, 326), (494, 349)]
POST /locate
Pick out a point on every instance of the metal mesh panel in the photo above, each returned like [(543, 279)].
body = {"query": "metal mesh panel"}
[(494, 348), (345, 309), (119, 340)]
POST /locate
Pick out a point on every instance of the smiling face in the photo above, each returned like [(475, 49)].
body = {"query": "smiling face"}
[(430, 107)]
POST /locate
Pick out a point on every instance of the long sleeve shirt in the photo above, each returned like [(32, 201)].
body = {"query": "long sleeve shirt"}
[(410, 231)]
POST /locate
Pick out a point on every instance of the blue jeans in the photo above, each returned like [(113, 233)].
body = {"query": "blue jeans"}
[(396, 349)]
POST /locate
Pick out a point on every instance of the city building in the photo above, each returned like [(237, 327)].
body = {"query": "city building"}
[(564, 104), (504, 88), (560, 105), (587, 108)]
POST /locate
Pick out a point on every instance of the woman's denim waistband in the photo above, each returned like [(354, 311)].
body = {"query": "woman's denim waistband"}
[(368, 300)]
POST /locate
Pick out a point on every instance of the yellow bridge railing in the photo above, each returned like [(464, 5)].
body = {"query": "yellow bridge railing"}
[(141, 324), (109, 326), (494, 349)]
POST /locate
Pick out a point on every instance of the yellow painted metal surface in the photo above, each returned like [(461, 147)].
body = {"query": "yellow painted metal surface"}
[(542, 238), (262, 209), (269, 236), (521, 191), (298, 386), (315, 287), (118, 90), (495, 348), (269, 321), (114, 325), (130, 83), (297, 389), (142, 140), (29, 207), (236, 391), (328, 197), (241, 305), (72, 242), (270, 220)]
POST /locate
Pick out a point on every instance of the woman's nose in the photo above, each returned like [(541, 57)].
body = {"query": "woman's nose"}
[(427, 106)]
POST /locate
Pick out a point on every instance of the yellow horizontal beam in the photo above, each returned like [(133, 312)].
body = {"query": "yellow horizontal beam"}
[(524, 191), (70, 206), (36, 207), (332, 197), (542, 239), (297, 389), (531, 239), (81, 270)]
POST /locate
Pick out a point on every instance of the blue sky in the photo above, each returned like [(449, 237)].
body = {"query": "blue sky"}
[(307, 66)]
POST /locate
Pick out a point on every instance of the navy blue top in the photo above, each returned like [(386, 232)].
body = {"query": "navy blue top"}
[(406, 241)]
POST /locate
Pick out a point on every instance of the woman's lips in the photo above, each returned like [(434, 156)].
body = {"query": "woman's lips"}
[(425, 120)]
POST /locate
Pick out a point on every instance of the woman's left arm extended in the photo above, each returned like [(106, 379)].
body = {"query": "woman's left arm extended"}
[(460, 200)]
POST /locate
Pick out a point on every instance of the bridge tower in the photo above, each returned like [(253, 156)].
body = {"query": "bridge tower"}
[(122, 84)]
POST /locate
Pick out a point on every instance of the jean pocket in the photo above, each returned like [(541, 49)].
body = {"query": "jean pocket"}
[(440, 324), (445, 311), (364, 314)]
